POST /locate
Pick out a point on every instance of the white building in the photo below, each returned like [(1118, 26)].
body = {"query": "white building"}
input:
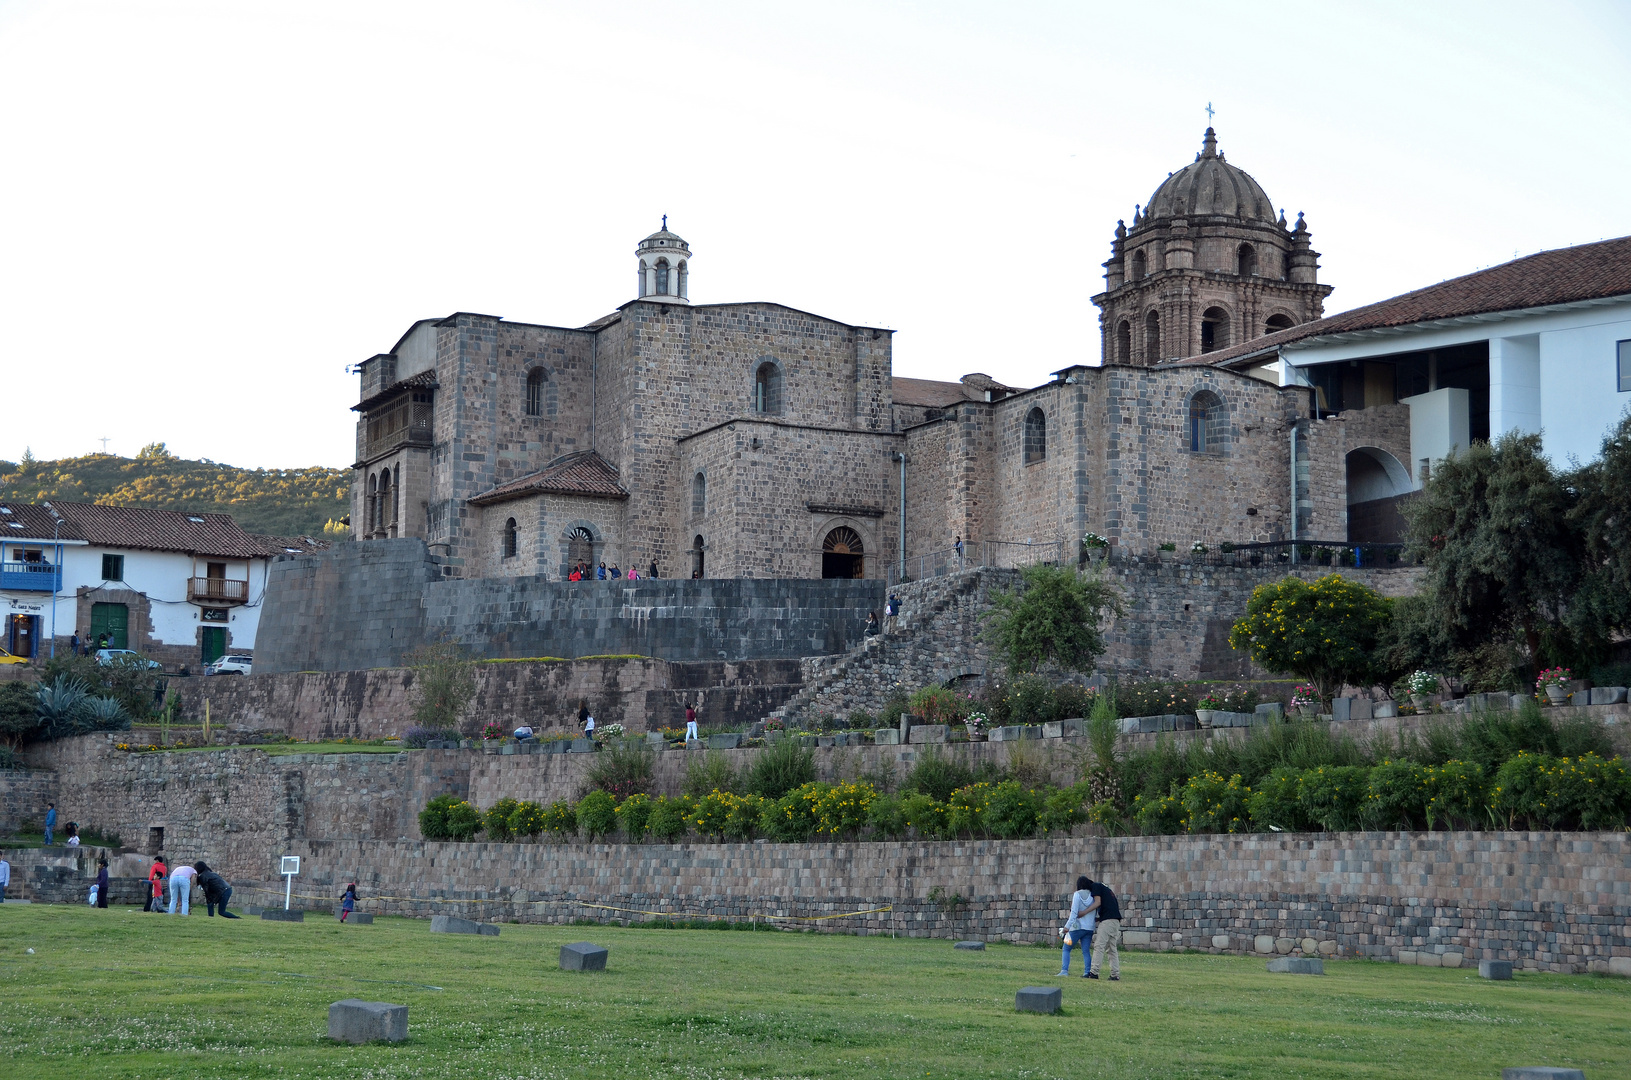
[(180, 588), (1539, 344)]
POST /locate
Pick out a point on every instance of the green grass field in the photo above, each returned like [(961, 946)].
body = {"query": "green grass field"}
[(121, 994)]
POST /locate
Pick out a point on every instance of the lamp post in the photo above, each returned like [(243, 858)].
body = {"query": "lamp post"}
[(56, 574)]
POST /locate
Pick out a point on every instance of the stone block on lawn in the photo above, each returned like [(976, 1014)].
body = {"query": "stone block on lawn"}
[(279, 915), (1039, 999), (725, 740), (1541, 1072), (356, 1021), (1617, 965), (931, 733), (1297, 965), (1500, 970), (583, 956), (972, 946), (452, 924), (357, 918), (886, 736)]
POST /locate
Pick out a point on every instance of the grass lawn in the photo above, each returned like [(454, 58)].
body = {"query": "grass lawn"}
[(121, 994)]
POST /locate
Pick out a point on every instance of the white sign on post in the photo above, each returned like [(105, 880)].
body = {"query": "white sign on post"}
[(291, 867)]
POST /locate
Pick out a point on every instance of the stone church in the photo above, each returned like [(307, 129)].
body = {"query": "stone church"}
[(755, 440)]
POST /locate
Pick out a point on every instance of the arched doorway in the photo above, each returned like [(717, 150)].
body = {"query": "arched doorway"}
[(1377, 485), (842, 555), (698, 569), (580, 547)]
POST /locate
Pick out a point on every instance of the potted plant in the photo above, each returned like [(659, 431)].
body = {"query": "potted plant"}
[(491, 736), (1198, 548), (1306, 700), (1167, 552), (974, 723), (1555, 681), (1207, 708), (1095, 546), (1421, 684)]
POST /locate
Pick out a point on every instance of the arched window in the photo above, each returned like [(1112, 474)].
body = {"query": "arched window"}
[(580, 547), (1214, 329), (1152, 338), (685, 281), (1205, 432), (536, 378), (697, 551), (511, 540), (643, 271), (396, 497), (1124, 342), (767, 389), (1277, 323), (1036, 436), (699, 495), (841, 554), (382, 510), (1246, 260), (662, 277), (370, 505), (1139, 267)]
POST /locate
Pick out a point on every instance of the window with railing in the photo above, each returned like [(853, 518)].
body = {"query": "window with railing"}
[(404, 421)]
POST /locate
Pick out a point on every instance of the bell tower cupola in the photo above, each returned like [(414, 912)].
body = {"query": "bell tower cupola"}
[(665, 267)]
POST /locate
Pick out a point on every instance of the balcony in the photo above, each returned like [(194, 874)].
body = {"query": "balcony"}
[(405, 423), (30, 577), (214, 590)]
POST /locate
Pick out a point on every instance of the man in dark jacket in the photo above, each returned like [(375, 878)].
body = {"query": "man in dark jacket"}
[(216, 891), (1107, 938)]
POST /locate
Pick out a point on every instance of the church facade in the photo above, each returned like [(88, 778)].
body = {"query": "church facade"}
[(756, 440)]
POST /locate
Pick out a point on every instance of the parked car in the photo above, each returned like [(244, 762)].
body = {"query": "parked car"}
[(110, 656), (229, 665), (8, 658)]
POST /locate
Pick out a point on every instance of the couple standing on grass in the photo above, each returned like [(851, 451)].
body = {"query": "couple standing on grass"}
[(1094, 914)]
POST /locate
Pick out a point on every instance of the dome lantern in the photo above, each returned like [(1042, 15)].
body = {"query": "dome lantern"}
[(665, 267)]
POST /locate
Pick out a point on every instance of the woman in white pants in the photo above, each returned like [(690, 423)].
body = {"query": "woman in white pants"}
[(181, 885)]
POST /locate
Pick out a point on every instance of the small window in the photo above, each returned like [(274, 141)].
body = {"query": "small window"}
[(1205, 431), (1139, 266), (535, 392), (511, 541), (1625, 367), (1124, 342), (699, 495), (767, 389), (1036, 436), (662, 277), (1247, 259), (113, 568)]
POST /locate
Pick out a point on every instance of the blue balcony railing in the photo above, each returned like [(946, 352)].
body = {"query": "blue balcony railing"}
[(31, 577)]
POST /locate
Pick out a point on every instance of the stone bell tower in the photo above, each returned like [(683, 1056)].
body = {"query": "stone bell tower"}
[(665, 266)]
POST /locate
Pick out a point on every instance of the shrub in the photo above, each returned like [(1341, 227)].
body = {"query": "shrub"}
[(621, 772), (709, 772), (1064, 809), (667, 818), (561, 819), (792, 817), (781, 768), (1456, 793), (1213, 804), (1326, 632), (106, 714), (1594, 792), (710, 812), (1331, 796), (463, 821), (632, 815), (1159, 814), (1054, 617), (1107, 816), (886, 817), (1396, 796), (62, 707), (19, 713), (527, 819), (940, 705), (416, 736), (597, 815), (444, 682), (1520, 791), (497, 820), (1011, 811), (1274, 801), (861, 720), (937, 776), (742, 819), (433, 818), (889, 716), (841, 809), (924, 813)]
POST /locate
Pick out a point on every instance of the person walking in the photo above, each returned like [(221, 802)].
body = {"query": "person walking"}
[(50, 821), (216, 890), (634, 575), (102, 883), (155, 878), (1109, 931), (652, 573), (348, 900), (691, 722), (181, 886), (891, 609), (5, 878), (1078, 931)]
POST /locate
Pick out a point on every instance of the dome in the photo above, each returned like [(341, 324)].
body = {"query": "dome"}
[(1210, 186), (663, 240)]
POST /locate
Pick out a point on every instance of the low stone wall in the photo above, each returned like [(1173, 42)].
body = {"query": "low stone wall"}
[(24, 795), (1546, 901)]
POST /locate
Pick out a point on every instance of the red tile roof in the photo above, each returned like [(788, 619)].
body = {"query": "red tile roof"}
[(421, 381), (1561, 276), (25, 521), (140, 527), (290, 545), (583, 473)]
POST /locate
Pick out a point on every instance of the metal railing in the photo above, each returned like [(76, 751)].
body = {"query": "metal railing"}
[(31, 576), (1004, 554), (1289, 553), (218, 590)]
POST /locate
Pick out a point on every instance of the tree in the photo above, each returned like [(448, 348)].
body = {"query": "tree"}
[(19, 713), (1602, 515), (444, 681), (1052, 618), (1493, 527), (1325, 633)]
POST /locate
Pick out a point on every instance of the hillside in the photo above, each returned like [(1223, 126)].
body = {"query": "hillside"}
[(283, 502)]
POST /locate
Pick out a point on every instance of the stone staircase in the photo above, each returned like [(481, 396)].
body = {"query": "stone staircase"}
[(937, 638)]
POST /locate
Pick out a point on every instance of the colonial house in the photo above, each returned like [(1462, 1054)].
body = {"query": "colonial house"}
[(180, 588)]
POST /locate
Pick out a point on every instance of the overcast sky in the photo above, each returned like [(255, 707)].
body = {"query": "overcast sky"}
[(211, 209)]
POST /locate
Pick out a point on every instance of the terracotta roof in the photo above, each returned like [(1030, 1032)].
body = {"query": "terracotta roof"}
[(26, 521), (290, 545), (584, 473), (144, 528), (930, 393), (1560, 276), (421, 381)]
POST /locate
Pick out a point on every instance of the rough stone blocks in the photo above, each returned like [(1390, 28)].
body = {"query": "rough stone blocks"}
[(583, 956), (1297, 965), (725, 740), (1135, 937), (973, 946), (1059, 729), (452, 924), (1607, 695), (1619, 965), (1039, 999), (279, 915), (886, 737), (356, 1021), (1270, 709), (1220, 941), (1541, 1072), (581, 746), (1006, 734), (931, 733), (1263, 943), (1500, 970), (1384, 710)]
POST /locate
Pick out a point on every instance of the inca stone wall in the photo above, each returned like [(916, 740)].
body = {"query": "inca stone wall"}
[(24, 795)]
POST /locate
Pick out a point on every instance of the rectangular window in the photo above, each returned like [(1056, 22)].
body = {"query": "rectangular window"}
[(1625, 367), (113, 568)]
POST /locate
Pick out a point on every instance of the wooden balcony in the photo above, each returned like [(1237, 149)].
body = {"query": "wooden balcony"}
[(214, 590), (407, 422)]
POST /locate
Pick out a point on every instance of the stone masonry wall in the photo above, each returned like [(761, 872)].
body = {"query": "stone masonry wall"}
[(24, 795)]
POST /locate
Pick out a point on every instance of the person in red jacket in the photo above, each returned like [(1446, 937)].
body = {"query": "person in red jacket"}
[(156, 878)]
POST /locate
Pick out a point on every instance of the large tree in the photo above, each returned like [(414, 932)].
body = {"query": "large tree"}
[(1052, 618), (1325, 632), (1493, 527), (1602, 516)]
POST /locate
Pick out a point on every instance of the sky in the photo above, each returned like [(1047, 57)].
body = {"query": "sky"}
[(209, 211)]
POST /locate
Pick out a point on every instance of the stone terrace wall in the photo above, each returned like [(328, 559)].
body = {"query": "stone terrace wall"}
[(1548, 901), (24, 794), (638, 693)]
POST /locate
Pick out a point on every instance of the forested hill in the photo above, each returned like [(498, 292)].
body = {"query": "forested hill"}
[(282, 502)]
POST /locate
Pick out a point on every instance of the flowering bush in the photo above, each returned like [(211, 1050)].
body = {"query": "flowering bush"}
[(597, 814), (1092, 541), (1590, 791), (497, 820), (492, 731), (527, 819), (1198, 548), (841, 809), (1305, 695), (1213, 804), (1558, 676), (1422, 682), (561, 818), (610, 731), (1210, 701), (632, 813), (667, 820)]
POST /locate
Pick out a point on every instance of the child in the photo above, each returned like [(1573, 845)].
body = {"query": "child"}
[(348, 900), (156, 876), (1079, 930)]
